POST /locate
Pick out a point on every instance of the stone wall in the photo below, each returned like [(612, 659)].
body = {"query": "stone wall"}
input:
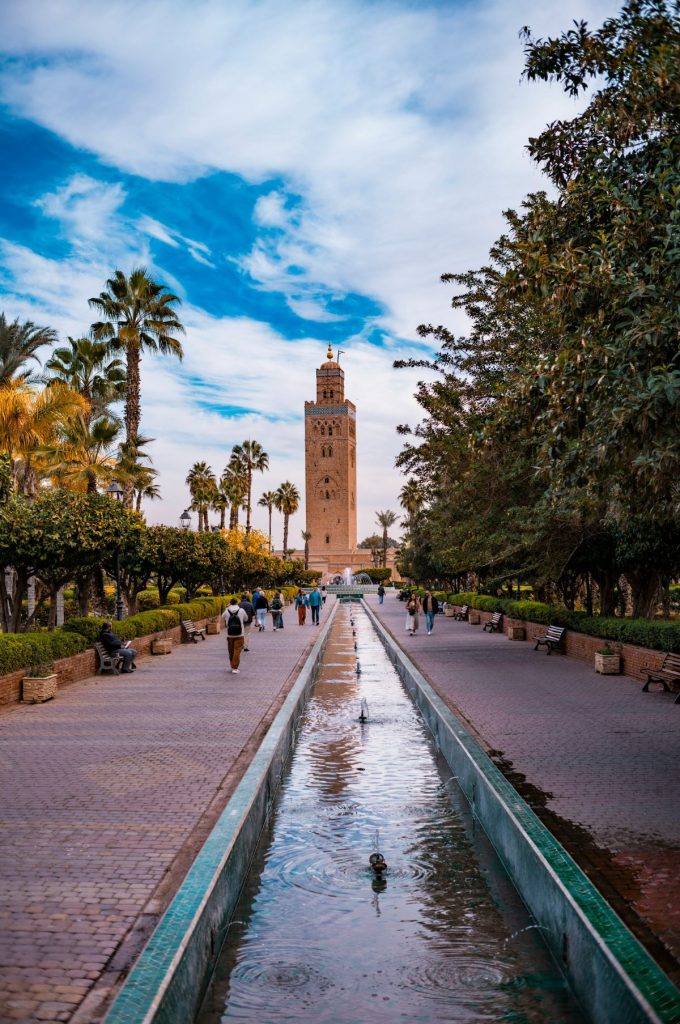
[(84, 665)]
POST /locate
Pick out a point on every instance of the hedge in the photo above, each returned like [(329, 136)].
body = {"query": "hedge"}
[(658, 635), (19, 650)]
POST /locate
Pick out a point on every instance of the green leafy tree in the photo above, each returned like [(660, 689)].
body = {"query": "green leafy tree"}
[(87, 367), (172, 554)]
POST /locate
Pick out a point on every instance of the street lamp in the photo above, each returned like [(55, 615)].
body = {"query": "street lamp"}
[(115, 491), (185, 520)]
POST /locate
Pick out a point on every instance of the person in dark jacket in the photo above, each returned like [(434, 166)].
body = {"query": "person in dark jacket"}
[(315, 603), (381, 594), (261, 606), (112, 643), (430, 608), (247, 606)]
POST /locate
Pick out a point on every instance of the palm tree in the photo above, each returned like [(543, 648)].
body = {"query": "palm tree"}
[(268, 501), (137, 315), (412, 499), (252, 458), (83, 458), (145, 486), (233, 484), (220, 503), (306, 536), (30, 421), (87, 368), (287, 502), (18, 344), (385, 519), (203, 487)]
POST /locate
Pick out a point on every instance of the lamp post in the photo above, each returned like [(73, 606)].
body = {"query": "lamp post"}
[(115, 491), (185, 519)]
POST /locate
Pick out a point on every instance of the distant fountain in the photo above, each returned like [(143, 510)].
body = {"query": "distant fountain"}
[(347, 577)]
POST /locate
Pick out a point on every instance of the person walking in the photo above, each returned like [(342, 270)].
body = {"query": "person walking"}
[(277, 610), (301, 602), (381, 594), (430, 608), (247, 606), (412, 608), (113, 644), (235, 620), (315, 605), (261, 605)]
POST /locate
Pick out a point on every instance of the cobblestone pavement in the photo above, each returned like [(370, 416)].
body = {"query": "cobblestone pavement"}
[(595, 757), (106, 795)]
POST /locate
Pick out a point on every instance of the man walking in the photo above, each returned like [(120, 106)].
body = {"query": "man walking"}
[(315, 605), (430, 609), (381, 594), (247, 606), (235, 620), (261, 605)]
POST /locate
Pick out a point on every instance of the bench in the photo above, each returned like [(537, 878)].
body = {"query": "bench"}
[(192, 631), (552, 639), (107, 662), (494, 623), (668, 672), (461, 615)]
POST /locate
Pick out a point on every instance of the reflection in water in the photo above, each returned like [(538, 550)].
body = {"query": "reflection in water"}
[(441, 936)]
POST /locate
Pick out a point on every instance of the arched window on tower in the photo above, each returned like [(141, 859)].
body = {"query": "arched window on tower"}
[(328, 538), (324, 392), (326, 479), (323, 429), (328, 494), (331, 392), (323, 451), (330, 451)]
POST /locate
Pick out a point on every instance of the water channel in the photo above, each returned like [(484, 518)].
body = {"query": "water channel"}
[(318, 938)]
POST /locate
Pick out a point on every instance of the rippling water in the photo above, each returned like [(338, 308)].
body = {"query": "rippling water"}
[(317, 938)]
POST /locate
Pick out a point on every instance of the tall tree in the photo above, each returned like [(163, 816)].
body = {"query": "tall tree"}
[(268, 501), (87, 367), (83, 459), (203, 488), (137, 315), (306, 536), (19, 343), (287, 503), (411, 499), (234, 484), (385, 519), (252, 458)]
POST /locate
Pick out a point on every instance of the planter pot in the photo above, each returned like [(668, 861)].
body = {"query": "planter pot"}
[(474, 618), (36, 689), (161, 646), (212, 628), (517, 633), (608, 664), (449, 612)]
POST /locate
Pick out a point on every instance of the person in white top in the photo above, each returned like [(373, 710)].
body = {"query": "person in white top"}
[(235, 620)]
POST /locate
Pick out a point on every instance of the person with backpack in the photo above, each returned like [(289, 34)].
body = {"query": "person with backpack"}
[(277, 610), (235, 620), (247, 606), (261, 605), (301, 603)]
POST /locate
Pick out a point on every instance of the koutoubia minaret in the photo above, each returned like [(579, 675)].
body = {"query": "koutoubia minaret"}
[(331, 471)]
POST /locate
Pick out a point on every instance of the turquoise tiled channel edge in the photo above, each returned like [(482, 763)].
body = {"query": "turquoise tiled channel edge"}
[(611, 973), (168, 982)]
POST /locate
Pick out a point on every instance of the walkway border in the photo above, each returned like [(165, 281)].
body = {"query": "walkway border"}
[(169, 979), (612, 974)]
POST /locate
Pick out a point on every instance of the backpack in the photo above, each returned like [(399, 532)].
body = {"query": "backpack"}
[(234, 627)]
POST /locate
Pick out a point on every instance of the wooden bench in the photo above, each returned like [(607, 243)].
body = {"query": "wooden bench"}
[(552, 639), (668, 672), (107, 662), (494, 623), (192, 631), (461, 615)]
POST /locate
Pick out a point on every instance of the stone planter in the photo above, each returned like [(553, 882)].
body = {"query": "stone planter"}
[(161, 645), (449, 611), (517, 633), (474, 618), (608, 664), (36, 689), (212, 627)]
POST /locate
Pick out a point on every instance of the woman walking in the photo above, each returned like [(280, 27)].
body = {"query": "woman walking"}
[(276, 607), (412, 609), (301, 605), (430, 608)]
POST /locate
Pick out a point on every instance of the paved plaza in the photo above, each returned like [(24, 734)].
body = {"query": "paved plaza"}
[(107, 794), (594, 756)]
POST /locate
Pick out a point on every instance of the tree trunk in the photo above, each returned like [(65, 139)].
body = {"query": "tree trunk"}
[(138, 505), (645, 588), (223, 514), (384, 548), (285, 533), (270, 529), (250, 487), (606, 584), (132, 408)]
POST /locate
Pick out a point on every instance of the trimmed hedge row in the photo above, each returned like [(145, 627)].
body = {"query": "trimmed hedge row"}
[(19, 650), (153, 621), (657, 635)]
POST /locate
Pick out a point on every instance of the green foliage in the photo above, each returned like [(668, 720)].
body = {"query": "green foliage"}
[(17, 650), (378, 575), (149, 599)]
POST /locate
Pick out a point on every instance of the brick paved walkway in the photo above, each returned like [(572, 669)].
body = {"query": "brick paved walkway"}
[(106, 795), (594, 756)]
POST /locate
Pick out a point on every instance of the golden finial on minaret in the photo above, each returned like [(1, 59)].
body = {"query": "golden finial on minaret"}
[(329, 354)]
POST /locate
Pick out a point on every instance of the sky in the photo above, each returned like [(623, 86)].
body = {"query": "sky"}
[(299, 173)]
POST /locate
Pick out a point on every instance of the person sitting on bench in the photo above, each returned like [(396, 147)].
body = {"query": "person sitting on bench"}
[(114, 645)]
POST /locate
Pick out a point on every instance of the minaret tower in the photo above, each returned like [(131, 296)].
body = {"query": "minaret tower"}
[(330, 470)]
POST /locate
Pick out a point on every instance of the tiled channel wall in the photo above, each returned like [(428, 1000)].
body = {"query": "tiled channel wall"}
[(84, 665)]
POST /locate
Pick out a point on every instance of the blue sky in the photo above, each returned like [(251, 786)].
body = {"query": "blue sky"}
[(299, 173)]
